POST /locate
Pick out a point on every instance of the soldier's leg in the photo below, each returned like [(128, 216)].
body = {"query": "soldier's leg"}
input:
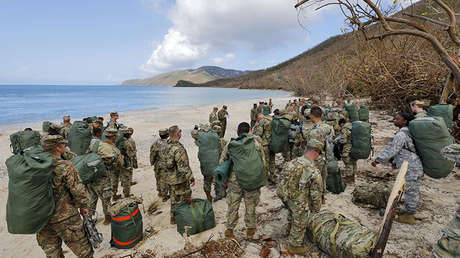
[(274, 175), (412, 190), (251, 200), (158, 182), (50, 242), (234, 197), (104, 192), (224, 128), (115, 179), (322, 167), (164, 186), (179, 193), (207, 184), (126, 179), (299, 224), (71, 231), (348, 171), (355, 166), (92, 199)]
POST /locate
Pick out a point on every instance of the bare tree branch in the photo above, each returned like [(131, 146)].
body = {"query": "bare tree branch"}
[(427, 19)]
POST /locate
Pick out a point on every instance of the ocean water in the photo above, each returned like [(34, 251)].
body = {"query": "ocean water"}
[(27, 103)]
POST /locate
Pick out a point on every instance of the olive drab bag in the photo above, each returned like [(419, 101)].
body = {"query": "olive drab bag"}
[(126, 225), (22, 140), (352, 112), (208, 151), (222, 172), (79, 137), (266, 110), (334, 181), (196, 214), (46, 126), (363, 113), (247, 162), (361, 138), (430, 135), (30, 194), (281, 128), (90, 166), (445, 111)]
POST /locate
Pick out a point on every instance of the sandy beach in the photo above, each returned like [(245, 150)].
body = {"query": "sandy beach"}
[(437, 202)]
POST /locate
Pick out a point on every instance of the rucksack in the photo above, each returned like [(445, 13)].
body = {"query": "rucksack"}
[(430, 135), (352, 112), (280, 134), (445, 111), (266, 110), (46, 126), (197, 214), (334, 181), (361, 137), (22, 140), (247, 162), (79, 137), (90, 166), (208, 151), (31, 200), (363, 113), (126, 225)]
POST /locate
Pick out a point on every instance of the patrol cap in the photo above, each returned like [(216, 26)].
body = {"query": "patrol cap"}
[(51, 141), (421, 103), (215, 108), (313, 143), (114, 113), (163, 131), (55, 126), (130, 130), (110, 132), (224, 107), (66, 116), (217, 128)]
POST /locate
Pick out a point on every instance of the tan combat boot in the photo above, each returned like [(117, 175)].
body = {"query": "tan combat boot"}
[(229, 233), (405, 218), (250, 233), (299, 250), (107, 220)]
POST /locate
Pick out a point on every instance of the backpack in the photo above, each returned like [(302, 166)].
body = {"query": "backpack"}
[(31, 200), (22, 140), (126, 224), (208, 152), (430, 135), (247, 162), (334, 181), (280, 134), (46, 126), (197, 214), (90, 166), (363, 113), (361, 137), (79, 137), (352, 112), (266, 110), (445, 111)]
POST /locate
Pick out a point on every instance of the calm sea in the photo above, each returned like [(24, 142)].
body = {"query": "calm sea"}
[(26, 103)]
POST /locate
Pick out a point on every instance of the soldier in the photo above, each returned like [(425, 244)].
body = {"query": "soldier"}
[(222, 115), (97, 135), (323, 133), (65, 125), (112, 159), (113, 121), (263, 129), (236, 193), (213, 116), (300, 190), (254, 115), (65, 224), (180, 176), (418, 107), (260, 107), (129, 162), (158, 158), (351, 167), (402, 148)]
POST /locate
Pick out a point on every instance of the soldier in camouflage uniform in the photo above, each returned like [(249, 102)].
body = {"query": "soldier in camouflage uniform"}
[(66, 124), (213, 116), (351, 167), (222, 115), (158, 158), (65, 224), (129, 164), (113, 121), (263, 129), (300, 189), (236, 193), (418, 107), (253, 115), (116, 175), (402, 148), (112, 159), (180, 176), (323, 133)]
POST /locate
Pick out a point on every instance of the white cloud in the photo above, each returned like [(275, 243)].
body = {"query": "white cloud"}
[(226, 58)]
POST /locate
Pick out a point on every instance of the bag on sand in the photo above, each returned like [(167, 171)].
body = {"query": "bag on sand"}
[(126, 225), (446, 111), (374, 195), (79, 137), (361, 146), (352, 112), (222, 172), (197, 215), (90, 167), (24, 139), (363, 113), (247, 162), (208, 151), (30, 195), (430, 135), (334, 181), (280, 134), (339, 236)]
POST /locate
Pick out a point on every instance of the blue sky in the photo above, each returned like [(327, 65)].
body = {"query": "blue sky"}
[(108, 41)]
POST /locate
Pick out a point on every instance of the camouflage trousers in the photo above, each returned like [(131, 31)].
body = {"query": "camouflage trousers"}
[(179, 193), (251, 200), (412, 190), (270, 172), (223, 129), (70, 231), (161, 183), (351, 167), (123, 175), (219, 189), (297, 218), (100, 189), (322, 167)]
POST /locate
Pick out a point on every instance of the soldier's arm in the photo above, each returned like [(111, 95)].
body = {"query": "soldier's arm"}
[(260, 147), (194, 134), (153, 154), (222, 143), (393, 148), (316, 192), (74, 184), (183, 166)]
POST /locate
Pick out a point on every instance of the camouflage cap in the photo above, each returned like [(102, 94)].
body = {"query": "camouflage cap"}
[(110, 132), (51, 141), (114, 113), (224, 107), (55, 126), (66, 116), (307, 112), (163, 131), (217, 128), (313, 143), (421, 103), (130, 130), (215, 108)]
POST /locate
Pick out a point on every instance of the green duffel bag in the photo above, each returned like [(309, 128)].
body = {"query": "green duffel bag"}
[(247, 162), (127, 226), (374, 195), (430, 135), (46, 126), (79, 137), (361, 138), (363, 113), (24, 139), (196, 214), (280, 134), (352, 112), (445, 111), (222, 172), (339, 236), (209, 150), (30, 195), (266, 110), (334, 181), (90, 167)]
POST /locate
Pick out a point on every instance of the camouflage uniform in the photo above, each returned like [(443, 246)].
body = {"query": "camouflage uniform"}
[(300, 190), (253, 117), (113, 124), (351, 167), (65, 130), (65, 224), (402, 148), (235, 194), (222, 115), (158, 158), (213, 117), (264, 131), (129, 164), (421, 114), (180, 175)]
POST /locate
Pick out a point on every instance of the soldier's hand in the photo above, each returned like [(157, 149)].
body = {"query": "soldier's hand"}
[(84, 212)]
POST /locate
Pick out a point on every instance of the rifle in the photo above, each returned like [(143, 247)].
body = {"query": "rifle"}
[(94, 237)]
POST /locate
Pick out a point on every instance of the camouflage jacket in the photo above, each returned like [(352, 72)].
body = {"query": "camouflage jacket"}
[(264, 130), (399, 149), (254, 113), (68, 190), (158, 154), (130, 159), (213, 117), (301, 182), (178, 164), (65, 131), (113, 124), (420, 114), (346, 137), (110, 154), (222, 115), (324, 133)]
